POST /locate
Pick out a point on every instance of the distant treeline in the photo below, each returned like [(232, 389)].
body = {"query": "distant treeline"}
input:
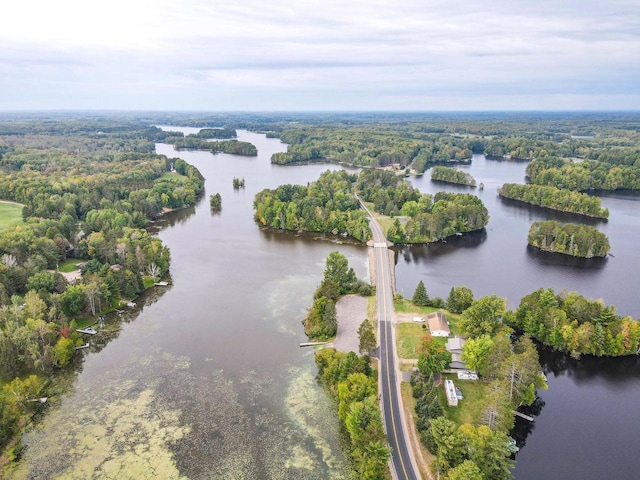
[(217, 133), (582, 176), (451, 175), (369, 146), (575, 240), (555, 199)]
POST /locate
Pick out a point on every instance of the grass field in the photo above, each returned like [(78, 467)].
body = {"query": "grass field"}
[(172, 176), (69, 265), (470, 407), (10, 214), (405, 306), (408, 337)]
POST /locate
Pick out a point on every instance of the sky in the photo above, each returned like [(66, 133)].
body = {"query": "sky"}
[(292, 55)]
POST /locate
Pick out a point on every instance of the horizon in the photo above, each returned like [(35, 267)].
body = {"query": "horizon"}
[(433, 56)]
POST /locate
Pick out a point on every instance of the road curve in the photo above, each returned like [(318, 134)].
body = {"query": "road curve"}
[(403, 466)]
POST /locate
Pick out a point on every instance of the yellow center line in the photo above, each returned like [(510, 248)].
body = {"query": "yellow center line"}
[(384, 305)]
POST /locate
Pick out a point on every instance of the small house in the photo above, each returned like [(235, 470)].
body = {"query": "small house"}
[(438, 325), (456, 362), (454, 345)]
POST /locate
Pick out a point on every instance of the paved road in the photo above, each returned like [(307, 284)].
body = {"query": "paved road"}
[(403, 466)]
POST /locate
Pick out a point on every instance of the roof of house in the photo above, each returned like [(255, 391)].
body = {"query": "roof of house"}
[(438, 321), (455, 344), (456, 361)]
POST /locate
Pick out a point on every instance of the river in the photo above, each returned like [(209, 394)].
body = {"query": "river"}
[(208, 381)]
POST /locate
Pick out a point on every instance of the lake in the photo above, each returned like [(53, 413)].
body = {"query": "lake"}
[(206, 379)]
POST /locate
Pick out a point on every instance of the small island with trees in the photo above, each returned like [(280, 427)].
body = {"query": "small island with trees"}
[(215, 202), (452, 175), (232, 147), (553, 198), (570, 239)]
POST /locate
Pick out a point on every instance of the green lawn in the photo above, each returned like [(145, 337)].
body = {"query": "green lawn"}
[(10, 214), (408, 337), (405, 306), (172, 176), (69, 265), (469, 408), (84, 322)]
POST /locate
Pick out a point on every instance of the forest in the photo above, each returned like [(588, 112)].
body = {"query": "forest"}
[(329, 205), (452, 175), (353, 384), (369, 146), (571, 323), (585, 175), (428, 218), (554, 198), (570, 239), (88, 189), (326, 205)]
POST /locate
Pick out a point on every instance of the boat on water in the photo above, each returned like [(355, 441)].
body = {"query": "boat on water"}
[(161, 284), (88, 330)]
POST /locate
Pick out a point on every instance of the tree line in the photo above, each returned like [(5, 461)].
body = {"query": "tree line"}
[(583, 176), (339, 279), (368, 146), (572, 323), (353, 384), (349, 379), (576, 240), (555, 199)]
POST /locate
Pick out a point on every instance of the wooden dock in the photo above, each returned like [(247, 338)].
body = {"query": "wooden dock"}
[(526, 417), (312, 344)]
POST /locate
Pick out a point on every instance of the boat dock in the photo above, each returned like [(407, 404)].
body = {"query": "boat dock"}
[(522, 415), (312, 344)]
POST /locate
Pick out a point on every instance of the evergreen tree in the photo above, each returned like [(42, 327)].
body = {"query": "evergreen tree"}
[(420, 296)]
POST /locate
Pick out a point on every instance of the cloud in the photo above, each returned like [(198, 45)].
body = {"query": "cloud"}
[(151, 51)]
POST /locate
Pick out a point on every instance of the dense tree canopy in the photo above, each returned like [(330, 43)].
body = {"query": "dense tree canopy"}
[(429, 218), (353, 384), (452, 175), (326, 205), (582, 176), (570, 239), (555, 199), (569, 322)]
